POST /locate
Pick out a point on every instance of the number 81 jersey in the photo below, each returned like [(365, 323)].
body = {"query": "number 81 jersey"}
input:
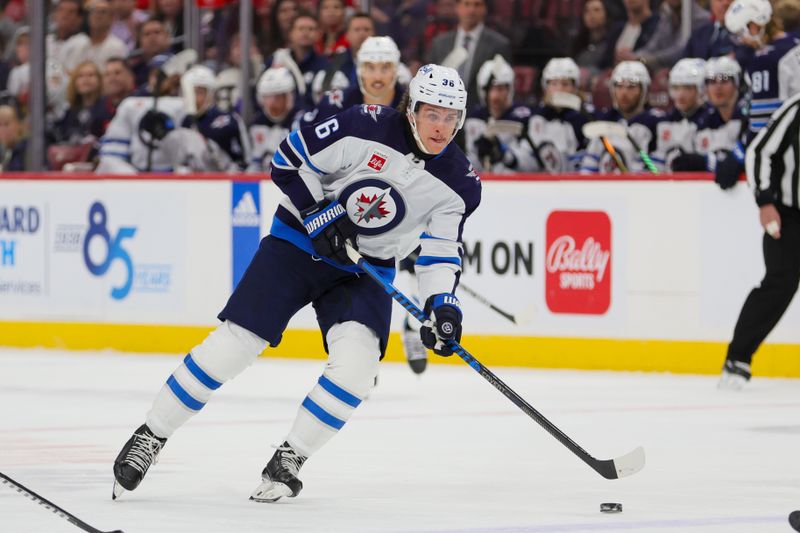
[(397, 197)]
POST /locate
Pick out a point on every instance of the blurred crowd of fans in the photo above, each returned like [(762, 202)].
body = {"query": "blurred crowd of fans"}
[(100, 52)]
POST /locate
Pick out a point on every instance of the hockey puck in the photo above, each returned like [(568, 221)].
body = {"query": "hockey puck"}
[(794, 520), (610, 507)]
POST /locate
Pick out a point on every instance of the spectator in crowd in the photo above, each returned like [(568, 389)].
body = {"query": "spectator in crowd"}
[(126, 21), (83, 94), (666, 45), (359, 27), (331, 17), (170, 12), (676, 133), (224, 128), (13, 142), (5, 65), (714, 40), (99, 45), (234, 57), (440, 18), (788, 11), (628, 37), (300, 57), (497, 151), (555, 128), (277, 110), (153, 41), (589, 46), (67, 21), (7, 26), (469, 46), (20, 76), (118, 84), (281, 16)]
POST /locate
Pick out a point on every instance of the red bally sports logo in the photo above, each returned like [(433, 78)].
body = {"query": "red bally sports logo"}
[(376, 162), (578, 262)]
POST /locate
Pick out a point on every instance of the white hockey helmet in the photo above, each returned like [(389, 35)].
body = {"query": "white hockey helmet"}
[(275, 80), (198, 76), (496, 71), (377, 50), (561, 68), (631, 72), (439, 86), (723, 66), (689, 71), (743, 12)]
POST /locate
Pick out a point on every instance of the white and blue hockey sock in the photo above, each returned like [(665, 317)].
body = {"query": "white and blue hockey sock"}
[(225, 353), (354, 353)]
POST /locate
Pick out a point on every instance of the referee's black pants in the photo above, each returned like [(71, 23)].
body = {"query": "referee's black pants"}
[(766, 303)]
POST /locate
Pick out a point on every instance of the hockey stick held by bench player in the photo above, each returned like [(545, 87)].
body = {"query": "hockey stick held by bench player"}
[(623, 466), (47, 504)]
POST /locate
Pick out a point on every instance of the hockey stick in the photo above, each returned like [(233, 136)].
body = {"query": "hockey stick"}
[(47, 504), (574, 102), (625, 465)]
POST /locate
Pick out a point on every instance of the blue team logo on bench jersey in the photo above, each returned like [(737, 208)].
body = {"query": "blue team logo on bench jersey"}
[(373, 205)]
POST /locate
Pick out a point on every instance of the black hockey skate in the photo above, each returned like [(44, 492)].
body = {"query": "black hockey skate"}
[(416, 353), (134, 460), (735, 375), (279, 477)]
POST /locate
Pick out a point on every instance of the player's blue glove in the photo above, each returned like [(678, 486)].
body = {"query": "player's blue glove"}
[(489, 148), (728, 170), (444, 324), (329, 227)]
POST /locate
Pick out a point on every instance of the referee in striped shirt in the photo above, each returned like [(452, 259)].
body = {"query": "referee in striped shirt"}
[(773, 170)]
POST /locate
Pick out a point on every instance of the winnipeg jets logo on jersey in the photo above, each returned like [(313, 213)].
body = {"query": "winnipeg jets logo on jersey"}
[(221, 121), (373, 205), (370, 207), (377, 161), (372, 110)]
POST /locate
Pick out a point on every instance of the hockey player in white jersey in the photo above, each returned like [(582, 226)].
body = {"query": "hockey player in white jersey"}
[(770, 75), (145, 133), (279, 108), (630, 82), (676, 132), (720, 127), (376, 71), (383, 180), (494, 130), (555, 131), (225, 129)]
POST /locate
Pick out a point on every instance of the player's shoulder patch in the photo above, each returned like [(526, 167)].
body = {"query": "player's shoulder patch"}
[(372, 110), (521, 112), (455, 170), (336, 98)]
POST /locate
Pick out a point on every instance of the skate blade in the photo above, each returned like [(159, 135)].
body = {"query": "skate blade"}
[(269, 492), (118, 491)]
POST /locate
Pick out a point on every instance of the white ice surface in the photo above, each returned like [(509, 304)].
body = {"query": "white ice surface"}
[(441, 453)]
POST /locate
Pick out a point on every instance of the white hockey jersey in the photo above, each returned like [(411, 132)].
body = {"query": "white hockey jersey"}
[(397, 197), (122, 147)]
